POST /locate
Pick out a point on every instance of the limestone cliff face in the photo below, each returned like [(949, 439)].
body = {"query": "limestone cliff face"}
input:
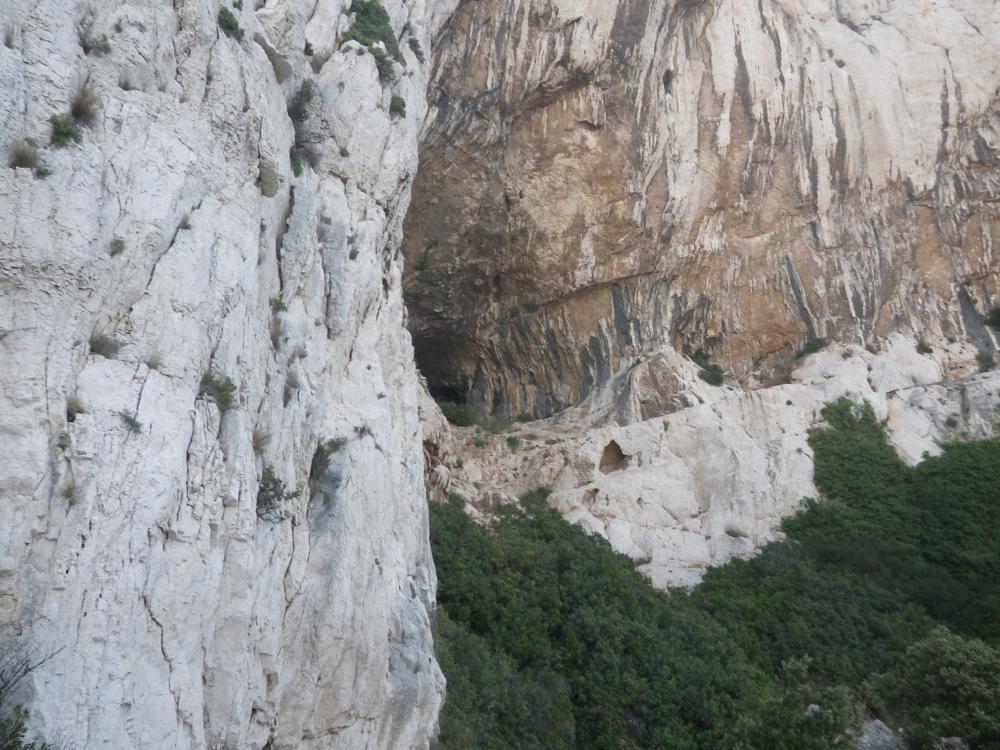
[(603, 177), (196, 577)]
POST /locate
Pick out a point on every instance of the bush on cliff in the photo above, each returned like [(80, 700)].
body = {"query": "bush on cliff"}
[(771, 652)]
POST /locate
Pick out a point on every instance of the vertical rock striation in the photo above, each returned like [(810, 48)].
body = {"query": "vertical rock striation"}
[(206, 573), (600, 178)]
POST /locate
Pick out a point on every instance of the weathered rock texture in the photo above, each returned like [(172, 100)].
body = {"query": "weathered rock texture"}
[(601, 177), (131, 549), (714, 479)]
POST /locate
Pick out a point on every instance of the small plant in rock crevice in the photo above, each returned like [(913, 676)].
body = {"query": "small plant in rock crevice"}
[(417, 50), (321, 458), (83, 107), (218, 388), (229, 25), (295, 161), (64, 131), (298, 108), (923, 347), (813, 344), (397, 107), (117, 246), (272, 494), (23, 156), (74, 407), (371, 27)]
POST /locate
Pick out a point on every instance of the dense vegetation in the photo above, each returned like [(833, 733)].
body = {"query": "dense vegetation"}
[(877, 601)]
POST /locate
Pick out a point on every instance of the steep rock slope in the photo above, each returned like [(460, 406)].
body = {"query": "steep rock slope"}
[(602, 177), (195, 576)]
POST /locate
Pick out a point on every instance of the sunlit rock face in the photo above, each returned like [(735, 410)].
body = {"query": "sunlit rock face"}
[(138, 548), (601, 177)]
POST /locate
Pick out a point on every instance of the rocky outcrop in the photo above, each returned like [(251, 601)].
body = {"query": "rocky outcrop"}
[(204, 573), (600, 178), (714, 479)]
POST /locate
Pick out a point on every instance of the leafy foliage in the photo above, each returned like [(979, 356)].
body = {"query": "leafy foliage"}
[(418, 51), (272, 495), (229, 25), (550, 639), (371, 25), (397, 106), (298, 108), (945, 686), (711, 373), (812, 345), (219, 388), (295, 160), (993, 318), (64, 130), (464, 415)]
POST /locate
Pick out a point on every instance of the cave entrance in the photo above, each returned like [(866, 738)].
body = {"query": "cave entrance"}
[(613, 458)]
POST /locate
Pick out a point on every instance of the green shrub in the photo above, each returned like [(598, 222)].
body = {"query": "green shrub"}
[(218, 388), (371, 25), (229, 25), (811, 346), (993, 318), (417, 49), (464, 415), (513, 442), (397, 106), (550, 639), (295, 159), (272, 494), (461, 415), (298, 108), (117, 246), (944, 686), (386, 71), (321, 458), (64, 131), (712, 374), (307, 50), (709, 372)]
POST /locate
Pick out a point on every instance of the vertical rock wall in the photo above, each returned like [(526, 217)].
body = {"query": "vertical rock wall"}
[(170, 241), (603, 177)]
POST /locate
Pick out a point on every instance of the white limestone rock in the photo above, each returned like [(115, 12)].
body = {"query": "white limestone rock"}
[(705, 483), (130, 544)]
